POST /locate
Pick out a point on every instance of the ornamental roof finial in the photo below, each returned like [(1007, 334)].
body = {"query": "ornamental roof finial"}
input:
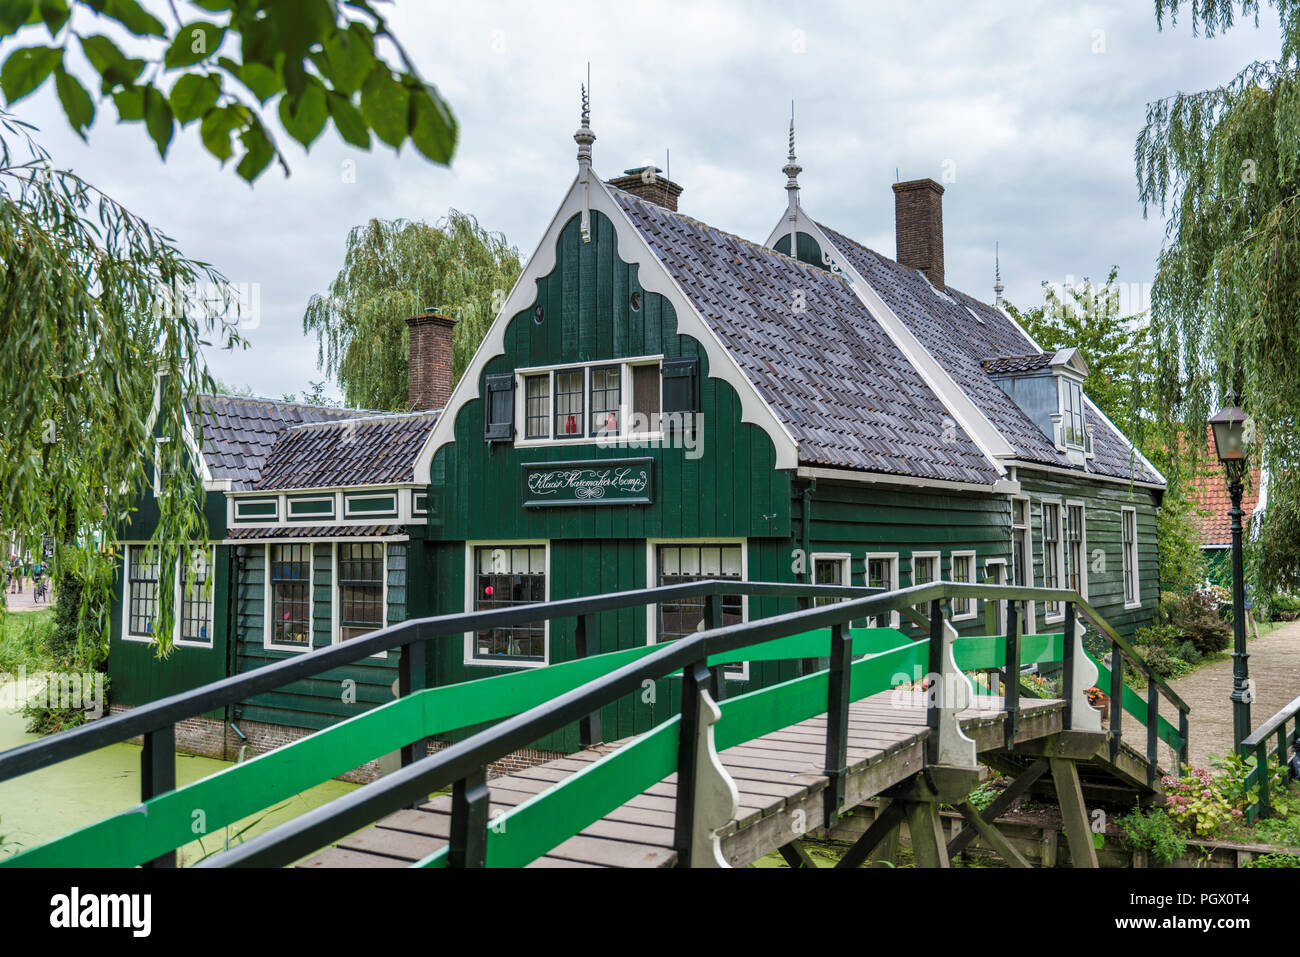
[(997, 278), (792, 168), (585, 137)]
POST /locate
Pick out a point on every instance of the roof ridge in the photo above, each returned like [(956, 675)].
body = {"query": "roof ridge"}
[(282, 402), (373, 417)]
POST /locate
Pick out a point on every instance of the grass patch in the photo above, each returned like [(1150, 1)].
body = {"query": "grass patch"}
[(25, 641)]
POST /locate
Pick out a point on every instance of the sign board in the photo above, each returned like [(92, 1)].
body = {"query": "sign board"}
[(601, 482)]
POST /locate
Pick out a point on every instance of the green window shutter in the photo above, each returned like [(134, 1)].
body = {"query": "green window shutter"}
[(681, 385), (499, 414)]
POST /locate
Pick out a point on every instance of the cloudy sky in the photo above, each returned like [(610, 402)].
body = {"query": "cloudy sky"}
[(1027, 111)]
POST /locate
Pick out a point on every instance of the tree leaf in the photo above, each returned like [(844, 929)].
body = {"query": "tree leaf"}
[(348, 120), (113, 65), (158, 119), (130, 104), (384, 106), (261, 80), (304, 115), (13, 14), (134, 17), (26, 69), (193, 95), (259, 153), (349, 59), (75, 100), (215, 130), (194, 43), (55, 13), (433, 128)]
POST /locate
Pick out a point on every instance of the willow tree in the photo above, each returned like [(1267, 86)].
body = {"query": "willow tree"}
[(1224, 164), (396, 269), (90, 327)]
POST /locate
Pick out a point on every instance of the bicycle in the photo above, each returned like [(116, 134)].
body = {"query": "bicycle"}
[(42, 591)]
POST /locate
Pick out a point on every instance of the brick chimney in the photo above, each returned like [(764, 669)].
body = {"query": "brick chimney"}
[(649, 183), (429, 367), (918, 227)]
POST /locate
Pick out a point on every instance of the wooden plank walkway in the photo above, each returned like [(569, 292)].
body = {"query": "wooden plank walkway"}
[(778, 777)]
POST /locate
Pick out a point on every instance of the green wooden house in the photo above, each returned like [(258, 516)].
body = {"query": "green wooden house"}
[(660, 401)]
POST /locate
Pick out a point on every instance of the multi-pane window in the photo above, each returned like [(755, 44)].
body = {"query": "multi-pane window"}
[(606, 397), (925, 569), (360, 588), (686, 563), (568, 403), (196, 600), (1052, 552), (1022, 572), (142, 585), (882, 572), (506, 576), (1076, 574), (1129, 523), (537, 412), (830, 570), (1072, 409), (963, 570), (290, 612)]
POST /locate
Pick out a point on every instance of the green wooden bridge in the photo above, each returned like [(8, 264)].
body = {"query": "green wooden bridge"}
[(874, 716)]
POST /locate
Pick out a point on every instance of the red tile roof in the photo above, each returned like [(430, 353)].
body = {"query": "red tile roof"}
[(1210, 496)]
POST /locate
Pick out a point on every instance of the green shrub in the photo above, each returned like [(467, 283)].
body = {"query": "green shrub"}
[(1276, 860), (1278, 607), (1196, 616), (1159, 636), (1163, 662), (1153, 833), (1188, 653)]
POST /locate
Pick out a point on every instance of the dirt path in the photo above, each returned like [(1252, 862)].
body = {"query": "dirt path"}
[(1275, 667)]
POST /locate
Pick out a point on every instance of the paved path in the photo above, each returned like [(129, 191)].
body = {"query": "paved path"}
[(1275, 667), (25, 601)]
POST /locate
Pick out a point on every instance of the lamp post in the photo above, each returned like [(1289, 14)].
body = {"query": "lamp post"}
[(1229, 427)]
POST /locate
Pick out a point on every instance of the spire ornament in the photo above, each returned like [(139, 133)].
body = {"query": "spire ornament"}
[(792, 169), (997, 278), (584, 138)]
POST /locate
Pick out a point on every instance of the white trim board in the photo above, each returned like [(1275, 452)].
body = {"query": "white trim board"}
[(653, 277)]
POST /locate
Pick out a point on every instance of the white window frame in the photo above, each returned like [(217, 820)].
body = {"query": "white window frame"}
[(1030, 623), (952, 565), (177, 603), (895, 619), (845, 560), (625, 404), (652, 579), (1083, 541), (311, 599), (471, 655), (1065, 386), (336, 604), (938, 570), (1129, 556), (1048, 615)]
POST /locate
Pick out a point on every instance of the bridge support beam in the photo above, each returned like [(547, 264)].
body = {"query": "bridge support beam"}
[(1020, 785), (1074, 813), (883, 834)]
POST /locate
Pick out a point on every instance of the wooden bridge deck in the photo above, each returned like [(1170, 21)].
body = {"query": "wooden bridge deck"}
[(778, 777)]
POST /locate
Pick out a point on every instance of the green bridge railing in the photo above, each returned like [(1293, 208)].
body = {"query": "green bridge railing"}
[(1270, 740), (527, 705)]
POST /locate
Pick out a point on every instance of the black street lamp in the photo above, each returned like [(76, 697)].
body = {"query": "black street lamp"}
[(1229, 427)]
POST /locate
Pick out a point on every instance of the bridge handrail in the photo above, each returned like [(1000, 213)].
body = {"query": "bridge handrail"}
[(463, 765), (1257, 744), (165, 712)]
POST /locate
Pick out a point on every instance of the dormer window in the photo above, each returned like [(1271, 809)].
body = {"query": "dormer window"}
[(1072, 427)]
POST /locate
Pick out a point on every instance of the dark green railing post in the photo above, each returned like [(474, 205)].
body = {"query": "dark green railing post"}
[(589, 729), (713, 619), (837, 719), (1184, 747), (158, 775), (935, 695), (470, 803), (806, 665), (1261, 765), (1011, 674), (1068, 664), (1116, 700), (1153, 719), (694, 677), (411, 677)]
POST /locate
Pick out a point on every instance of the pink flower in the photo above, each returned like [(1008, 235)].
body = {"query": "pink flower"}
[(1236, 812), (1205, 793)]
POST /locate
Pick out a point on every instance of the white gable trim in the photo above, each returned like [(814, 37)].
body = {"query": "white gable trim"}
[(959, 405), (653, 277)]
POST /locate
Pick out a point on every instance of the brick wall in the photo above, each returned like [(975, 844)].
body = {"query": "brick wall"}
[(429, 370), (918, 227)]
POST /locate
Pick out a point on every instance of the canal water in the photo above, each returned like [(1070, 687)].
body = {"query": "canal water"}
[(54, 801)]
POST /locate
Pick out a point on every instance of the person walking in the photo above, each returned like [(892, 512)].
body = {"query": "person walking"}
[(16, 569)]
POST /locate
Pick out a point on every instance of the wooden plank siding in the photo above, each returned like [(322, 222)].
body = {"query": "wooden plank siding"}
[(317, 702), (1102, 503)]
